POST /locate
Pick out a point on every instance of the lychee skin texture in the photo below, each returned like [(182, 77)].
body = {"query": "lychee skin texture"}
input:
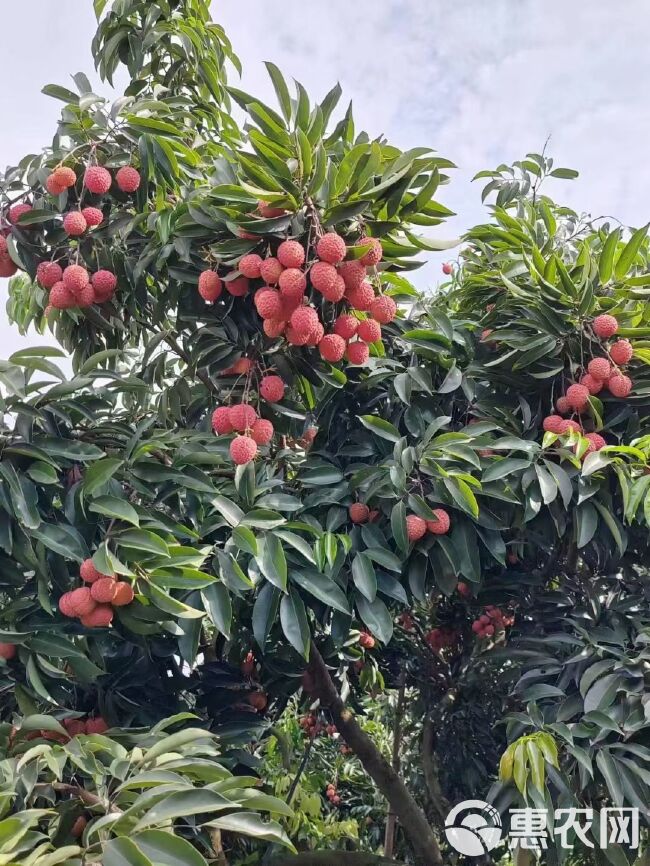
[(568, 426), (323, 277), (374, 254), (103, 590), (383, 309), (297, 338), (98, 180), (293, 283), (7, 267), (75, 278), (89, 573), (362, 297), (346, 326), (61, 298), (242, 450), (332, 348), (369, 331), (353, 274), (221, 421), (53, 187), (210, 286), (590, 382), (86, 296), (316, 336), (104, 283), (82, 602), (596, 442), (242, 417), (357, 353), (17, 210), (93, 216), (49, 273), (359, 512), (415, 527), (100, 617), (621, 352), (242, 366), (123, 594), (578, 396), (270, 270), (66, 608), (336, 292), (291, 254), (274, 328), (268, 303), (74, 224), (304, 320), (128, 178), (63, 177), (441, 525), (7, 651), (619, 385), (331, 248), (562, 405), (605, 326), (262, 431), (237, 287), (553, 424), (599, 368), (447, 268), (250, 265), (272, 389)]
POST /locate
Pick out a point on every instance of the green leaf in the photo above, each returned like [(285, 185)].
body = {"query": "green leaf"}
[(180, 804), (380, 427), (245, 539), (398, 526), (281, 89), (321, 587), (385, 558), (265, 612), (123, 852), (587, 523), (377, 618), (142, 540), (218, 605), (165, 849), (364, 577), (629, 253), (119, 509), (227, 508), (295, 626), (251, 824), (272, 561), (462, 495), (606, 261)]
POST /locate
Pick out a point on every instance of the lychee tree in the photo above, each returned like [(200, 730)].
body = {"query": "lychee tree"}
[(272, 445)]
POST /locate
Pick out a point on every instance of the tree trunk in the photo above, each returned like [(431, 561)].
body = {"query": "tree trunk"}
[(430, 767), (420, 835), (391, 823)]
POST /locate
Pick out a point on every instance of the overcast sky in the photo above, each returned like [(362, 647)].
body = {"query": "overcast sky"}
[(482, 83)]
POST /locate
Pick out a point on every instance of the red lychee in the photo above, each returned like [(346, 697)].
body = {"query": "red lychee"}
[(593, 385), (242, 417), (605, 326), (221, 421), (97, 179), (18, 210), (369, 331), (75, 278), (553, 424), (274, 327), (65, 605), (272, 389), (262, 431), (323, 277), (7, 651), (357, 353), (268, 211), (81, 601), (52, 186), (415, 527), (237, 287), (304, 320), (270, 270), (568, 426), (63, 177), (104, 283), (359, 512), (49, 273), (447, 268), (210, 286), (7, 267), (383, 309), (123, 594), (374, 254), (599, 368), (336, 292), (331, 248), (268, 303), (362, 297), (441, 525), (346, 326), (316, 335), (85, 297), (74, 224), (578, 396), (332, 348), (100, 617), (93, 216), (128, 178), (291, 254), (297, 338), (89, 573), (353, 274), (596, 442), (619, 385), (96, 726), (463, 589), (61, 298), (366, 640), (562, 405), (250, 266), (621, 352), (242, 450), (103, 590), (293, 283)]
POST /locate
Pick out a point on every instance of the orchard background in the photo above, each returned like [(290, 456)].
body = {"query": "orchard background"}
[(299, 557)]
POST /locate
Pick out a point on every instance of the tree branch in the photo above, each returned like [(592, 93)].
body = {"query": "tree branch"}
[(391, 823), (430, 767)]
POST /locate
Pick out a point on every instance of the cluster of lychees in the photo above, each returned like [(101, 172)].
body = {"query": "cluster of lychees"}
[(332, 796), (441, 638), (94, 604), (493, 620), (313, 728), (74, 286), (416, 527)]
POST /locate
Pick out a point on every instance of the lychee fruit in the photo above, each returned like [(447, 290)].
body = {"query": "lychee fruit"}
[(268, 211), (359, 512), (562, 405), (323, 277), (591, 383), (242, 366), (369, 331), (304, 320), (316, 335), (621, 352), (128, 178), (123, 594), (383, 309), (346, 326), (297, 338), (447, 268), (568, 426), (81, 601), (262, 431), (104, 283), (605, 326), (415, 527), (366, 640), (619, 385), (74, 727), (353, 274), (578, 396), (274, 327), (63, 177), (336, 292), (93, 216), (242, 416), (97, 725), (291, 254), (599, 368), (242, 450), (7, 651), (441, 525), (270, 270), (52, 186), (237, 287), (65, 605), (61, 298), (210, 286), (250, 266), (85, 297), (75, 278), (100, 617), (103, 590), (553, 424), (463, 589), (331, 248), (268, 303), (596, 442), (272, 389), (18, 210), (97, 179), (332, 348), (362, 297), (49, 273), (74, 224), (357, 353), (293, 283), (7, 267), (258, 700), (221, 421), (89, 573), (374, 254)]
